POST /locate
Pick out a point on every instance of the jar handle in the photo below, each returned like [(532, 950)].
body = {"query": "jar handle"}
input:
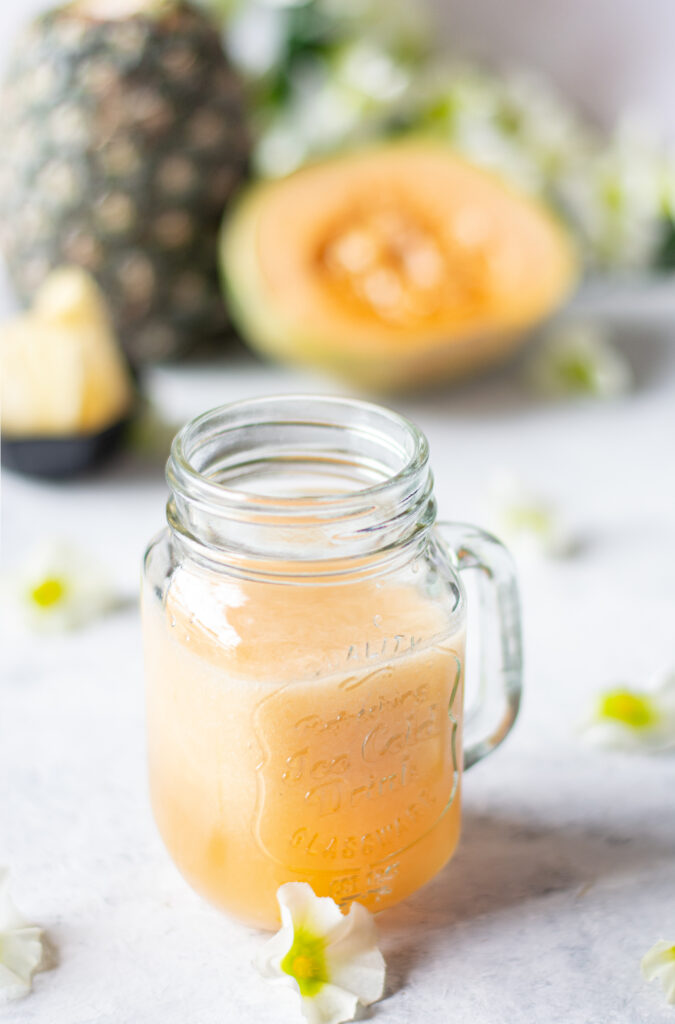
[(501, 647)]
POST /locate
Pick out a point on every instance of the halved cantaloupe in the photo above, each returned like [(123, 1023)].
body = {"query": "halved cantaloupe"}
[(393, 266)]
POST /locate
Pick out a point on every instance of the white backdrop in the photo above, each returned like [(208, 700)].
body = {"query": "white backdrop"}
[(608, 54)]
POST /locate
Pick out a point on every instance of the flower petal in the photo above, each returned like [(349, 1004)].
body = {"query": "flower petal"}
[(20, 946), (11, 986), (20, 956), (668, 981), (354, 961), (268, 960), (658, 957), (663, 688), (578, 359), (331, 959), (634, 720), (10, 917), (317, 914), (613, 736), (58, 587), (659, 962), (531, 525), (331, 1005), (302, 910)]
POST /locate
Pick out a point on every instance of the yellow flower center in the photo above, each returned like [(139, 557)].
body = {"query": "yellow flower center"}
[(629, 709), (48, 593), (528, 517), (304, 967), (577, 372), (306, 962)]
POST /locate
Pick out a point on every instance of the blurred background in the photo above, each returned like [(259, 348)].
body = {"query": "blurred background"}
[(608, 56), (524, 319), (129, 130)]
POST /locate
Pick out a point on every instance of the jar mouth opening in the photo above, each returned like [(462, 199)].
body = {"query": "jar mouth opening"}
[(300, 479), (328, 453)]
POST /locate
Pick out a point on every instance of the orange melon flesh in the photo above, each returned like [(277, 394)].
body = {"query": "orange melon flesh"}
[(393, 265)]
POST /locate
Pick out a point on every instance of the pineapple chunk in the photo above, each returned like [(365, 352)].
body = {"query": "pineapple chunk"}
[(62, 372)]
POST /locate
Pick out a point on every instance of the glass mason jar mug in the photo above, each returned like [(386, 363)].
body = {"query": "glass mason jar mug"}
[(304, 633)]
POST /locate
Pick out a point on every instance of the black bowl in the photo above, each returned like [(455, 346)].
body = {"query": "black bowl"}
[(61, 457)]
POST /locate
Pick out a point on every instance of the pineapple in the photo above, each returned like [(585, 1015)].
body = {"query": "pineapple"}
[(123, 137), (61, 371)]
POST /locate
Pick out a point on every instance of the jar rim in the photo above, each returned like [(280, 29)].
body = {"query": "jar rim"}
[(182, 474), (287, 439)]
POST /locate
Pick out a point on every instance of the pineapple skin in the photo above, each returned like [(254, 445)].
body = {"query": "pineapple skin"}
[(122, 142)]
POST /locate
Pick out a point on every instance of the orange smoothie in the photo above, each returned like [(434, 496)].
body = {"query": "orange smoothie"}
[(306, 733)]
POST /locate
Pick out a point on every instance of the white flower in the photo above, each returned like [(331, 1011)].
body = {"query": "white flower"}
[(255, 37), (527, 522), (20, 946), (578, 359), (514, 123), (616, 196), (58, 588), (371, 72), (330, 958), (659, 962), (625, 719)]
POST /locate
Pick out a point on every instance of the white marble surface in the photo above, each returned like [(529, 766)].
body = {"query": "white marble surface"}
[(566, 871)]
